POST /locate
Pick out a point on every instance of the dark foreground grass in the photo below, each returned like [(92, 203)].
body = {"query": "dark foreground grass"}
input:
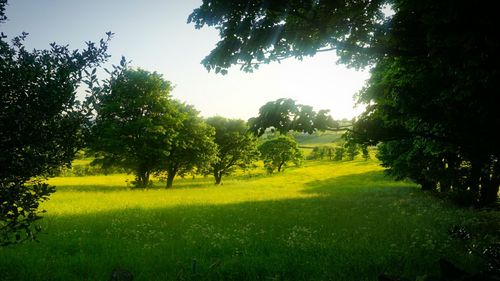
[(325, 221)]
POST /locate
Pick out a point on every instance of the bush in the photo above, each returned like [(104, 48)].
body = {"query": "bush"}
[(19, 209), (352, 151), (278, 152), (83, 170), (339, 153), (321, 152)]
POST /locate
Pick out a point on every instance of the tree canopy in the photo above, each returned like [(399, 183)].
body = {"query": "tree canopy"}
[(135, 122), (41, 123), (434, 73), (192, 146), (439, 104), (263, 31), (277, 153), (237, 147), (285, 115)]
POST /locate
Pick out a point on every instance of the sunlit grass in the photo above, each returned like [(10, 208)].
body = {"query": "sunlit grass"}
[(322, 221), (318, 138), (80, 195)]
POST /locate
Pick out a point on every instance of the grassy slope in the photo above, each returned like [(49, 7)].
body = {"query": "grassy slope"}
[(308, 142), (324, 221), (318, 139)]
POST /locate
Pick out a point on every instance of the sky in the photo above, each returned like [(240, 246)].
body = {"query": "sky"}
[(155, 36)]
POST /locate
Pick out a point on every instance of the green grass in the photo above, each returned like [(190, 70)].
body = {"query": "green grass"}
[(318, 138), (323, 221), (308, 142)]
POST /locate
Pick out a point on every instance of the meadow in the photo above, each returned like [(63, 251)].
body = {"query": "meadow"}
[(322, 221)]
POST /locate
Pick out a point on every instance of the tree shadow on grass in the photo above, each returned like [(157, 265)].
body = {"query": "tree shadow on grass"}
[(128, 186), (92, 188), (344, 233), (294, 239), (353, 227), (367, 182), (158, 184)]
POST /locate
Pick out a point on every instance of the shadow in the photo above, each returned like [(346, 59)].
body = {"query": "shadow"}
[(354, 227), (323, 238), (93, 188), (158, 184), (367, 182), (179, 183)]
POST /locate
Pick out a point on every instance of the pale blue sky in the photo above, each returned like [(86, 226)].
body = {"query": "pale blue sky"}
[(155, 36)]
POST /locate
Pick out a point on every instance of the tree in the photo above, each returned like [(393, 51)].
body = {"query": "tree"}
[(262, 31), (237, 147), (329, 150), (135, 121), (278, 152), (339, 153), (365, 152), (41, 124), (192, 147), (285, 115), (412, 159), (352, 150), (434, 76), (319, 152), (443, 98)]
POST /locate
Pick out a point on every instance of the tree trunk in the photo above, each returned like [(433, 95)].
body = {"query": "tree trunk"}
[(218, 177), (451, 167), (142, 179), (170, 177), (280, 166), (490, 182), (489, 192), (427, 185), (444, 186), (475, 176)]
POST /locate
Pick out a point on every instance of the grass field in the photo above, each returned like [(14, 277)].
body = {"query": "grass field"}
[(308, 141), (318, 138), (322, 221)]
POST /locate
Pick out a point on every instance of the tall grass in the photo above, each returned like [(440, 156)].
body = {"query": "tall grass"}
[(323, 221)]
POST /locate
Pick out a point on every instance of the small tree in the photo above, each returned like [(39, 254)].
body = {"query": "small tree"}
[(317, 153), (365, 152), (237, 147), (135, 122), (329, 151), (191, 148), (278, 152), (352, 150), (339, 153), (320, 152)]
